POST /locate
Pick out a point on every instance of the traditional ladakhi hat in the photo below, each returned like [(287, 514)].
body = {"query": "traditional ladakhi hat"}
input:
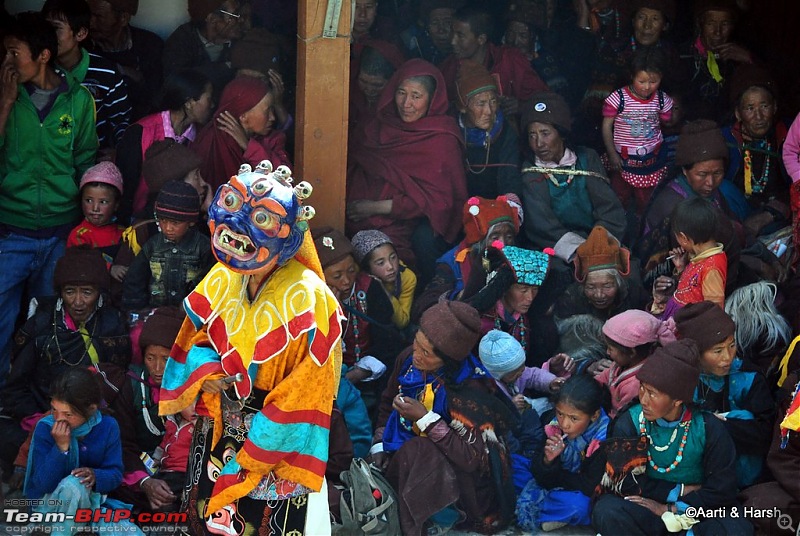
[(167, 160), (161, 328), (601, 251), (530, 267), (673, 369), (81, 266), (633, 328), (481, 214), (365, 241), (705, 323), (104, 173), (473, 78), (332, 246), (700, 141), (500, 353), (548, 108), (453, 328), (178, 201)]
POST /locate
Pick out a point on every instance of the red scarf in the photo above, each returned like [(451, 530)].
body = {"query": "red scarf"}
[(418, 165)]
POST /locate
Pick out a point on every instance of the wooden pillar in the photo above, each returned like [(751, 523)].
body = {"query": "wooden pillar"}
[(323, 74)]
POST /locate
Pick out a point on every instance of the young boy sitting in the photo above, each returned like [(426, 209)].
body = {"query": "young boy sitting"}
[(172, 262), (101, 188), (47, 141), (95, 73), (704, 277)]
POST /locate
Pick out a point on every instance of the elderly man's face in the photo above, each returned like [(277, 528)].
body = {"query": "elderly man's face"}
[(105, 21)]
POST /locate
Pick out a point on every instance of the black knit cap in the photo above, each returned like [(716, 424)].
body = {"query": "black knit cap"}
[(178, 201), (673, 370), (161, 328), (81, 266)]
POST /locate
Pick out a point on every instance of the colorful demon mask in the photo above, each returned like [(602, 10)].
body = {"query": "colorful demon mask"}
[(257, 217)]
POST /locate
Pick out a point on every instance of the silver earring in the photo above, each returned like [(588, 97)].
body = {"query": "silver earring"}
[(100, 301), (59, 302)]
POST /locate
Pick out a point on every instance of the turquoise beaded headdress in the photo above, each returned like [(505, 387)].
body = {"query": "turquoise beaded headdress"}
[(529, 266)]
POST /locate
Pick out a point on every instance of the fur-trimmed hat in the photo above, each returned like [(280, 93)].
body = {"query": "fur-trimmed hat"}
[(453, 328), (547, 107), (700, 141), (365, 241), (473, 78), (161, 328), (705, 323), (332, 246), (601, 251), (500, 353), (81, 266), (673, 370), (481, 214), (104, 173), (178, 201)]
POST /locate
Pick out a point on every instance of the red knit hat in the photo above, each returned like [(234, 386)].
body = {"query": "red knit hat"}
[(473, 78), (480, 214)]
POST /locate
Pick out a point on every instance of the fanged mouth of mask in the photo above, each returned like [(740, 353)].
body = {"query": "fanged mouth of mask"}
[(236, 245)]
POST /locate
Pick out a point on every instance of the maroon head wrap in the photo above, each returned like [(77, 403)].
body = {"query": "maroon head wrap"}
[(417, 165), (221, 155)]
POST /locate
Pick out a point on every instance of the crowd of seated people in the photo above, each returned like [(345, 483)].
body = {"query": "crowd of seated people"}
[(567, 268)]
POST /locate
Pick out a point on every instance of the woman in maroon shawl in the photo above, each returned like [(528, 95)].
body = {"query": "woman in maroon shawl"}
[(406, 172), (240, 132)]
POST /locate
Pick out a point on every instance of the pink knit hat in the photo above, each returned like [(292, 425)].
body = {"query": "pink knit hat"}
[(634, 327), (104, 172)]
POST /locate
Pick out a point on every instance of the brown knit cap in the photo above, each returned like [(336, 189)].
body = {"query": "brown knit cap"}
[(705, 323), (167, 160), (547, 107), (666, 7), (81, 266), (127, 6), (673, 370), (332, 246), (601, 251), (161, 328), (259, 50), (749, 75), (700, 141), (199, 9), (454, 328), (472, 78)]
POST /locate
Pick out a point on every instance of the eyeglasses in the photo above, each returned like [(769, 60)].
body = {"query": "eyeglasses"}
[(229, 14)]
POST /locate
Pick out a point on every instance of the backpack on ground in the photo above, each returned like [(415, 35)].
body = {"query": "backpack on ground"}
[(369, 504)]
